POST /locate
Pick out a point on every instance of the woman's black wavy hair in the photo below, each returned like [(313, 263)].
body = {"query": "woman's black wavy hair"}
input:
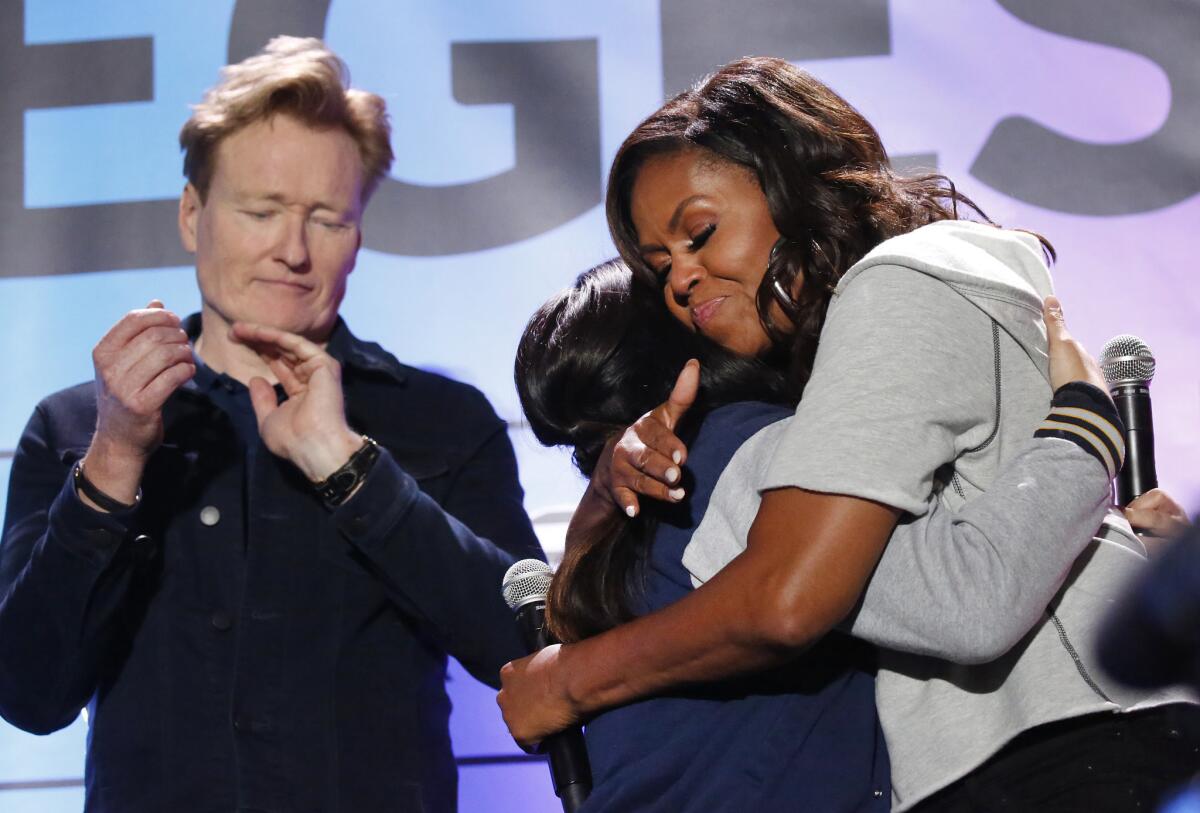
[(829, 185), (591, 361)]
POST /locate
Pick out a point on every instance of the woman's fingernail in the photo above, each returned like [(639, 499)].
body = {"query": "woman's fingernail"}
[(672, 474), (630, 511), (676, 493), (676, 457)]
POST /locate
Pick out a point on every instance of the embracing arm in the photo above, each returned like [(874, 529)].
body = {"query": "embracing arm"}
[(995, 564), (806, 562)]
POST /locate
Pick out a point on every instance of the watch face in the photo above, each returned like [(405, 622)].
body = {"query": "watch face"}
[(343, 480)]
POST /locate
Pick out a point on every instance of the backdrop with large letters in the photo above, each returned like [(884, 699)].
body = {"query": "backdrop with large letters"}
[(1074, 118)]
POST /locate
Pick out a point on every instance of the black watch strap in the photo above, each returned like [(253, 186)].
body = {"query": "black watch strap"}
[(335, 488), (106, 503)]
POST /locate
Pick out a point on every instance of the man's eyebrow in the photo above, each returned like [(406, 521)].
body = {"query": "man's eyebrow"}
[(275, 197)]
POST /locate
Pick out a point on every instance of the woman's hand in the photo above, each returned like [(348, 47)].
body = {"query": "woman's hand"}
[(309, 428), (646, 459), (1069, 360), (1155, 515), (1157, 518), (532, 699)]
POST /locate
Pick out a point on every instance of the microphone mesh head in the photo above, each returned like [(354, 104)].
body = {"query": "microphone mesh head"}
[(527, 580), (1126, 359)]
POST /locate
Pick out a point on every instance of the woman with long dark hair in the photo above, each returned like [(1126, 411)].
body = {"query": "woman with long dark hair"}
[(766, 211)]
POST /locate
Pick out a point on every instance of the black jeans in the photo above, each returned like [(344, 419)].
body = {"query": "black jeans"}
[(1092, 764)]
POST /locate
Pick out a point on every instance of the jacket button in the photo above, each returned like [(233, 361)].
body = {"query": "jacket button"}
[(221, 620), (144, 547), (210, 515)]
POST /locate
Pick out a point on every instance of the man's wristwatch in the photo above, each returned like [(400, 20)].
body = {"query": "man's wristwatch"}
[(335, 488)]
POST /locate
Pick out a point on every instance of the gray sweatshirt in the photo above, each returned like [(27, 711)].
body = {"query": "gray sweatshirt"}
[(929, 382)]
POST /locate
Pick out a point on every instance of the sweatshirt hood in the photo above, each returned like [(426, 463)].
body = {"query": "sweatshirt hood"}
[(1002, 272)]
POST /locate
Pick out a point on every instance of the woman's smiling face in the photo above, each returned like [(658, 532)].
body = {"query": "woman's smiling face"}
[(704, 227)]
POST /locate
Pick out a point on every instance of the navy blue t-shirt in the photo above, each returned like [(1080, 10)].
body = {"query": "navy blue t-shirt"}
[(801, 737)]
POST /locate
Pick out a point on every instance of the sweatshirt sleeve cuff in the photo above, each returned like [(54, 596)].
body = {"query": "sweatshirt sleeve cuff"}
[(1084, 414)]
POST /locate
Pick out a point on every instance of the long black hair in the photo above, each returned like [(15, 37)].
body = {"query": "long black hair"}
[(829, 185), (592, 360)]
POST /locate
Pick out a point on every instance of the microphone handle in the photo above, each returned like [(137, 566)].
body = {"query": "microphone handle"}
[(1138, 475), (531, 619), (570, 770)]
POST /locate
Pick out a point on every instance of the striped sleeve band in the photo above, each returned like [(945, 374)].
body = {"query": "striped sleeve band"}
[(1085, 415)]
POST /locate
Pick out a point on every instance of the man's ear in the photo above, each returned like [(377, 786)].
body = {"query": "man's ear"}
[(189, 213)]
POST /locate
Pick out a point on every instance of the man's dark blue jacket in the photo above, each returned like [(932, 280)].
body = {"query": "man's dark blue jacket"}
[(238, 645)]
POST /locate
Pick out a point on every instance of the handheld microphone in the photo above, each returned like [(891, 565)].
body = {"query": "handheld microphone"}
[(1128, 367), (525, 587)]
